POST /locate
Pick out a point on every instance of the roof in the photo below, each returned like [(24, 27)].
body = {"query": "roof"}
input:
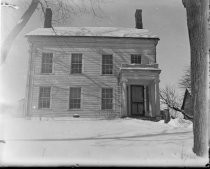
[(187, 95), (93, 32)]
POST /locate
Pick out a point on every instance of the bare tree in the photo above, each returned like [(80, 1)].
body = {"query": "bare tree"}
[(7, 43), (170, 98), (197, 16), (62, 10)]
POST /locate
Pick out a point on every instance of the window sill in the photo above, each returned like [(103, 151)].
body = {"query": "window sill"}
[(75, 110), (76, 74), (47, 74), (107, 74), (105, 110)]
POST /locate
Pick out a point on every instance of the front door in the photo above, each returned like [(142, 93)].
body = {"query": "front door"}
[(137, 100)]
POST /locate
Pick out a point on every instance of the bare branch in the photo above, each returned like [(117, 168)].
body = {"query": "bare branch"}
[(62, 10), (169, 97), (17, 29), (42, 6)]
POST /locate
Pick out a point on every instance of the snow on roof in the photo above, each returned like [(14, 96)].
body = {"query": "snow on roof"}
[(93, 32)]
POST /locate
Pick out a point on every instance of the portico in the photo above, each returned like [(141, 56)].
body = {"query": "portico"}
[(140, 90)]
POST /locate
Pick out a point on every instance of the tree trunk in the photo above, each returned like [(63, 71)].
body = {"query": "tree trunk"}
[(197, 12), (6, 45)]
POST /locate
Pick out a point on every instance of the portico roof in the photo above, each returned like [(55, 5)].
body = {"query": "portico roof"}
[(139, 72), (140, 67)]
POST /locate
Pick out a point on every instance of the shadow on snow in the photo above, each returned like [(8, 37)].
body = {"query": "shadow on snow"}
[(109, 138)]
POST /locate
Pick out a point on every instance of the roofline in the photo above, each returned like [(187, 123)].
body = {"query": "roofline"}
[(185, 96), (157, 38)]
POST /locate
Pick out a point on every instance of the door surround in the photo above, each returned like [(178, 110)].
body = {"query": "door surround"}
[(136, 100)]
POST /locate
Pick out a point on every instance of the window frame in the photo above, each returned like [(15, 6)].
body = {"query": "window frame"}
[(41, 98), (44, 64), (134, 55), (80, 64), (103, 107), (80, 99), (102, 65)]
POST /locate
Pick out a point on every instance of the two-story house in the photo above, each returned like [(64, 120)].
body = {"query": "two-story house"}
[(93, 72)]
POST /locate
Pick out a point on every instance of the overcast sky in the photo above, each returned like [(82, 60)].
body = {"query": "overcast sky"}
[(165, 18)]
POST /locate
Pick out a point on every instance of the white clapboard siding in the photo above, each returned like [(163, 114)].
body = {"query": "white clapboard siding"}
[(91, 80)]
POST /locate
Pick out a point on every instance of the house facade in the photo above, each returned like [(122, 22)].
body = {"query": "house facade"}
[(93, 72)]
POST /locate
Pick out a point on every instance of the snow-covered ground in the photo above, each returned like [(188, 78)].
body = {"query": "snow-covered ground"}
[(77, 141)]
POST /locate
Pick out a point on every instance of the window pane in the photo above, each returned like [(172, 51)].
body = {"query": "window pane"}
[(136, 59), (75, 98), (76, 58), (44, 97), (76, 68), (47, 59), (107, 98), (107, 64), (76, 63)]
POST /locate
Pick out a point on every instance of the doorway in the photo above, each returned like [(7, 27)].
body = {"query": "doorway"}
[(137, 100)]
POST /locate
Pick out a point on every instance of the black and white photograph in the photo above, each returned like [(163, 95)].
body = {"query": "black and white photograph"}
[(121, 83)]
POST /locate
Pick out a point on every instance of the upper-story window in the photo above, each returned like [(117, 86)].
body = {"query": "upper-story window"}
[(47, 62), (44, 97), (76, 63), (136, 59), (107, 64)]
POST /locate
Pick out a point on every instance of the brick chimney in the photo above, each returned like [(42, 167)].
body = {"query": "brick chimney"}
[(138, 17), (48, 18)]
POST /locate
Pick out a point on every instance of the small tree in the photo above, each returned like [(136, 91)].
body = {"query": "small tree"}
[(170, 98), (7, 43)]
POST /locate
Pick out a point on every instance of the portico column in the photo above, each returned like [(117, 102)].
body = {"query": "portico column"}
[(145, 101), (124, 99), (150, 100), (153, 99), (157, 99)]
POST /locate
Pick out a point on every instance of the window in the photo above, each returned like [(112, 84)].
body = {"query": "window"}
[(44, 97), (75, 98), (47, 62), (107, 64), (76, 63), (106, 99), (136, 59)]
